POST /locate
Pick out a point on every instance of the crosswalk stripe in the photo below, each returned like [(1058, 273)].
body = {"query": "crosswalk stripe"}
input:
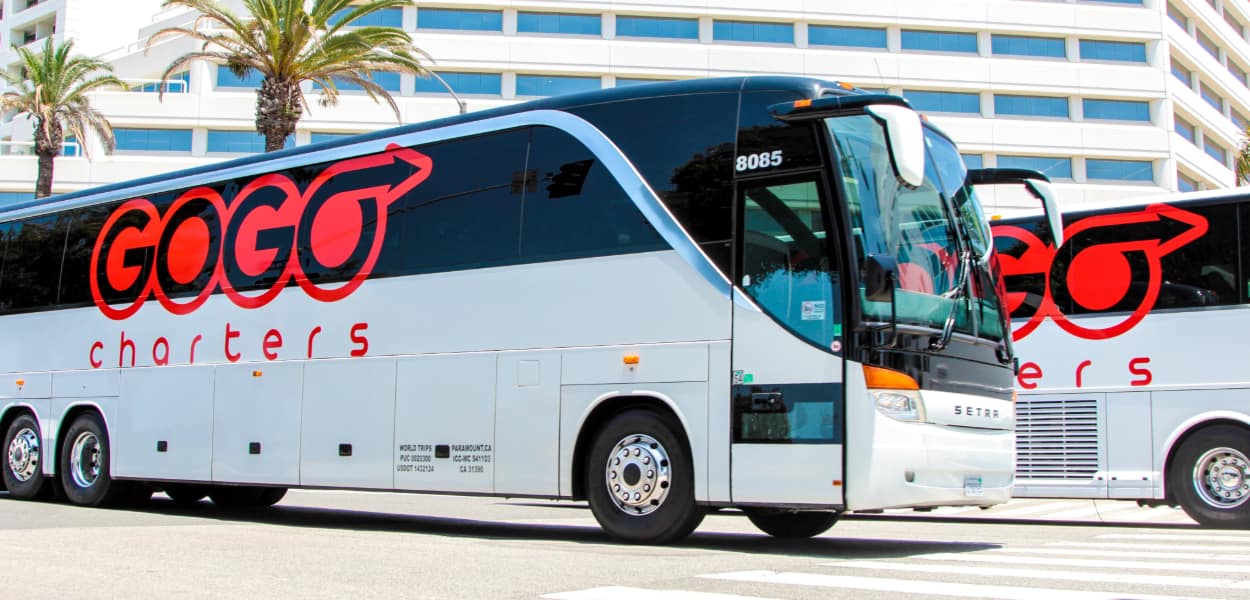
[(1128, 554), (629, 593), (935, 588), (1173, 580), (1201, 537), (1087, 562), (1129, 546)]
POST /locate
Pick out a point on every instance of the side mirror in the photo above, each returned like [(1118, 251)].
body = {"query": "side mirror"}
[(880, 273), (905, 134), (1036, 183)]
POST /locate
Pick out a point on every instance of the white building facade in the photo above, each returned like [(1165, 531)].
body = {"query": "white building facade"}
[(1111, 98)]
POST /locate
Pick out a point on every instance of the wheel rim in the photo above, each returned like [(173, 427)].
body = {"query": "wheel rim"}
[(637, 475), (24, 454), (84, 460), (1222, 478)]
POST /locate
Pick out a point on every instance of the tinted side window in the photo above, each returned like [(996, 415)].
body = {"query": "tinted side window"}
[(574, 207), (84, 226), (466, 214), (1111, 267), (33, 263), (4, 239), (1022, 249), (691, 172)]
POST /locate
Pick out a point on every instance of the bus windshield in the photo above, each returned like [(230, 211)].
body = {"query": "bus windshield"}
[(921, 229)]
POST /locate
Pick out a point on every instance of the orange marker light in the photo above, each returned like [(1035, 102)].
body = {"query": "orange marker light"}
[(846, 86), (257, 373), (802, 103), (631, 359), (888, 379), (21, 382)]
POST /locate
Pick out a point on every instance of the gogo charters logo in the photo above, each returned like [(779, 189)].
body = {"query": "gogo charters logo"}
[(267, 235), (1118, 264)]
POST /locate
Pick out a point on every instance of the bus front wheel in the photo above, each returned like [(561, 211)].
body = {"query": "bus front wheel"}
[(23, 459), (1210, 476), (790, 524), (640, 479)]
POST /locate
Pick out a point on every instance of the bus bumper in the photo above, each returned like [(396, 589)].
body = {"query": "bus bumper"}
[(925, 465)]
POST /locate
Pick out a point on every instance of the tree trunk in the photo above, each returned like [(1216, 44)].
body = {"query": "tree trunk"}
[(279, 106), (47, 147)]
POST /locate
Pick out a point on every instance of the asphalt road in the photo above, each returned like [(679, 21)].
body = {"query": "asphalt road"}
[(360, 545)]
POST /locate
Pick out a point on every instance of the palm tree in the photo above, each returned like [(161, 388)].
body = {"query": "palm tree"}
[(1242, 164), (289, 43), (52, 88)]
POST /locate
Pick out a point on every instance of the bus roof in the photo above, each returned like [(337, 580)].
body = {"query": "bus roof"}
[(804, 86), (1199, 197)]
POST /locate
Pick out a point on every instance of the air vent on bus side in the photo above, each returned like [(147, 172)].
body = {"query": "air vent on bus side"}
[(1057, 438)]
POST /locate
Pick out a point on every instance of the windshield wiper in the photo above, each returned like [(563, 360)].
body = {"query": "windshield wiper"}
[(960, 291)]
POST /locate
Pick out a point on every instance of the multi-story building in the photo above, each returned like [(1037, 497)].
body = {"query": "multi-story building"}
[(1111, 98)]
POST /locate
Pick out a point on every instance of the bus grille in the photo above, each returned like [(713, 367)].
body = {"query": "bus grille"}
[(1056, 438)]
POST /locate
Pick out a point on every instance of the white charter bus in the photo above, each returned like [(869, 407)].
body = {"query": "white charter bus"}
[(767, 293), (1132, 381)]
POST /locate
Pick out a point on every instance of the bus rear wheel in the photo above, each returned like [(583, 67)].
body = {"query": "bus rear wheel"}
[(640, 479), (228, 496), (791, 524), (84, 466), (1210, 477), (23, 459)]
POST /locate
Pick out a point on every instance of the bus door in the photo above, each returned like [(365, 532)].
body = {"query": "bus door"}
[(788, 405)]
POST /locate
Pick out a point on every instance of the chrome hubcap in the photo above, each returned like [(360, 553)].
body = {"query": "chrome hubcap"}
[(1222, 478), (637, 475), (84, 460), (24, 455)]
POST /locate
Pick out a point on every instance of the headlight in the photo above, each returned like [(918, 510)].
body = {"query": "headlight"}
[(902, 405)]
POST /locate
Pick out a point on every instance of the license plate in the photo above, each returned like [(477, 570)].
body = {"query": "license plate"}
[(972, 486)]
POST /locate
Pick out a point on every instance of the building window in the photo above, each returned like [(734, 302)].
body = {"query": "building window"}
[(561, 23), (1113, 51), (387, 17), (973, 161), (939, 41), (1178, 17), (1185, 129), (11, 198), (1239, 120), (1238, 73), (656, 27), (1019, 45), (1182, 73), (628, 81), (1212, 98), (850, 37), (1030, 106), (1185, 183), (554, 85), (1209, 45), (1215, 150), (1119, 170), (152, 140), (318, 137), (177, 83), (462, 20), (1054, 167), (747, 31), (487, 84), (389, 82), (240, 142), (947, 102), (226, 79), (1232, 21), (1116, 110)]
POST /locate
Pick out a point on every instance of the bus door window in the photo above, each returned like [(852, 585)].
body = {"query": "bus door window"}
[(787, 267)]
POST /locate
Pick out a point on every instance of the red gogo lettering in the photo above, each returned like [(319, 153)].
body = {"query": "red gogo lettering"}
[(1100, 275), (252, 246)]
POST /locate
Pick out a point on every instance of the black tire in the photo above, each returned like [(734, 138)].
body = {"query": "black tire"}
[(789, 524), (667, 512), (85, 465), (23, 459), (1210, 476), (185, 494), (244, 496)]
